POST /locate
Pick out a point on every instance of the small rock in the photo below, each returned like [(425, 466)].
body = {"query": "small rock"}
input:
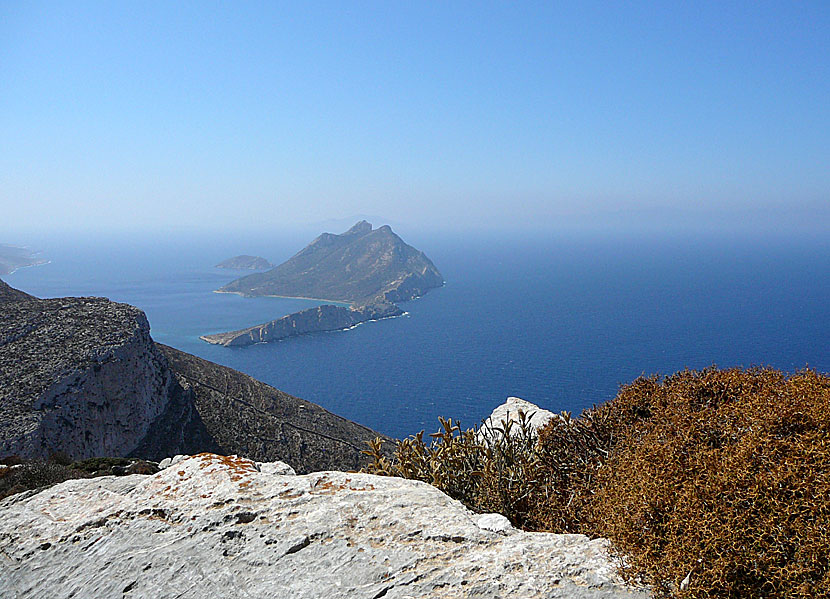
[(165, 463), (278, 468), (494, 523)]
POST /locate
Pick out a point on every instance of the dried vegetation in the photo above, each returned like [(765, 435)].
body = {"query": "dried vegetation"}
[(712, 483)]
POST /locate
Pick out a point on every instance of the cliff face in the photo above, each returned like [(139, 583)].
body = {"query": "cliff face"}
[(82, 376), (79, 376), (360, 266), (213, 526), (314, 320)]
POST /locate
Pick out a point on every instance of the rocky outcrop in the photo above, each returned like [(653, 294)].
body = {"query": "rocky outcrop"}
[(245, 262), (511, 410), (212, 526), (313, 320), (79, 376), (10, 294), (83, 377)]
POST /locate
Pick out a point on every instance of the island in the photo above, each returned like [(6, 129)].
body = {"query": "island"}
[(13, 258), (245, 262), (368, 269)]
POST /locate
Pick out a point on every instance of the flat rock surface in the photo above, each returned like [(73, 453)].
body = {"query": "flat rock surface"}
[(213, 526)]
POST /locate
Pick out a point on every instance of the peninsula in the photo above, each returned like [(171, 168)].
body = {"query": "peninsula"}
[(245, 262), (369, 269), (13, 258)]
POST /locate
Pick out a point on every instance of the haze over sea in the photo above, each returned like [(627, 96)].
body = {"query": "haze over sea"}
[(560, 319)]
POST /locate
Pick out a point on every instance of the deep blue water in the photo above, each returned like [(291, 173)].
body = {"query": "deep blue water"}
[(560, 320)]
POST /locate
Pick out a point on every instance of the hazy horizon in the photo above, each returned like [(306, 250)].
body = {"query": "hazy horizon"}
[(470, 117)]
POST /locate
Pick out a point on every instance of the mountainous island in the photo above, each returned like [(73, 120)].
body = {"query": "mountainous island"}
[(12, 258), (369, 269), (245, 262)]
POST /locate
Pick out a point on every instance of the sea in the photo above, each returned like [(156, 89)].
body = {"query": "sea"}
[(561, 319)]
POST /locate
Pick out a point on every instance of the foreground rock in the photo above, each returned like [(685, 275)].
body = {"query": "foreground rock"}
[(321, 319), (83, 377), (211, 526)]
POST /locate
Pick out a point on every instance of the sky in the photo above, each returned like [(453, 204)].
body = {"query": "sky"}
[(254, 116)]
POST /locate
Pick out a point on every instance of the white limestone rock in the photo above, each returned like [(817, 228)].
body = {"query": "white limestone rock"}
[(276, 468), (214, 526), (494, 523), (509, 411)]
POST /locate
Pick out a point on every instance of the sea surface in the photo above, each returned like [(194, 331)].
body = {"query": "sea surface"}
[(561, 320)]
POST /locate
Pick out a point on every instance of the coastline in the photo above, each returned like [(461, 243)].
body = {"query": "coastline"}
[(11, 272), (316, 299), (324, 332)]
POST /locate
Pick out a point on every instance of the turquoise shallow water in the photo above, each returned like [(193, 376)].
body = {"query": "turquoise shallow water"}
[(560, 320)]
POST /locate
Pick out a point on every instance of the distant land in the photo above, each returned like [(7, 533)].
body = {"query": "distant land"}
[(13, 258), (245, 262), (370, 269)]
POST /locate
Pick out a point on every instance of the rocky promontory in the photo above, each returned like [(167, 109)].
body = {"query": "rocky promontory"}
[(13, 257), (214, 526), (245, 262), (370, 269), (83, 377), (323, 318)]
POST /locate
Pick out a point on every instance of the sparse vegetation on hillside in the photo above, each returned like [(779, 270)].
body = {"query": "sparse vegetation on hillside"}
[(712, 484)]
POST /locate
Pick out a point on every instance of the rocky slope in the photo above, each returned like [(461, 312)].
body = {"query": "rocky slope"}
[(361, 266), (313, 320), (245, 262), (82, 376), (212, 526)]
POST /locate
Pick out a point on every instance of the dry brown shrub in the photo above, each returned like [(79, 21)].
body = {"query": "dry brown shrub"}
[(721, 478), (710, 484)]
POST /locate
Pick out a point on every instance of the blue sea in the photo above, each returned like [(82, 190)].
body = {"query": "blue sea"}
[(560, 319)]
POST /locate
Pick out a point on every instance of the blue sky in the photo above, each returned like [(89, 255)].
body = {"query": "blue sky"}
[(251, 116)]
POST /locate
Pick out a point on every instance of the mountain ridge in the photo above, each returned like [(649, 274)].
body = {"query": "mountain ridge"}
[(360, 266)]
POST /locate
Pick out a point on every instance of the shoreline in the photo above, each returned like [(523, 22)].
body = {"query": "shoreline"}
[(327, 331), (44, 263), (316, 299)]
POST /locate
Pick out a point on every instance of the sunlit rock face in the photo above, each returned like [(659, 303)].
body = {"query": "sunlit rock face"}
[(79, 376), (214, 526)]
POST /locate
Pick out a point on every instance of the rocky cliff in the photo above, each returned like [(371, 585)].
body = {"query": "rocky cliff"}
[(79, 376), (314, 320), (213, 526), (82, 376)]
